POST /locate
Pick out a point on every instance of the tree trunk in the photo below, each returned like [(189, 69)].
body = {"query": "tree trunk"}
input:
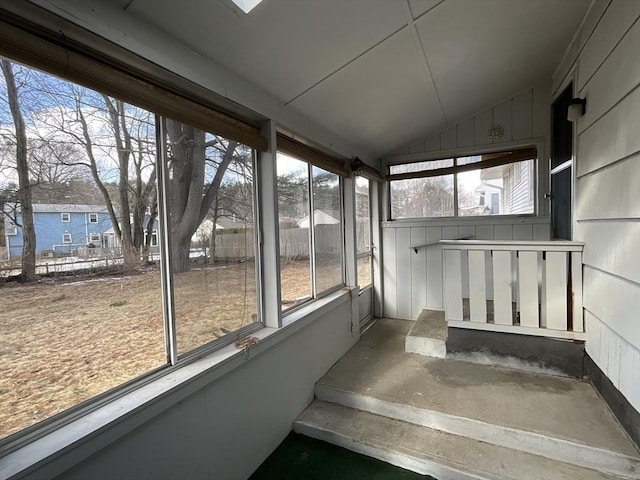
[(190, 198), (22, 166)]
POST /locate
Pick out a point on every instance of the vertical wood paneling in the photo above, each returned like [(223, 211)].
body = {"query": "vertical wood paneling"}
[(403, 271), (484, 232), (556, 290), (448, 138), (482, 123), (450, 232), (432, 143), (541, 231), (434, 269), (576, 288), (502, 295), (540, 115), (465, 134), (528, 288), (389, 268), (502, 117), (453, 285), (503, 232), (522, 115), (523, 232), (418, 272), (417, 147), (477, 292)]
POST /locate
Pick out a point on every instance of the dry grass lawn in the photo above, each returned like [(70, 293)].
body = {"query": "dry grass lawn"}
[(65, 340)]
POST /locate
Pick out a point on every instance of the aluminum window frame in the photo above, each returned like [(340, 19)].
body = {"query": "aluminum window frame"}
[(518, 155), (315, 295)]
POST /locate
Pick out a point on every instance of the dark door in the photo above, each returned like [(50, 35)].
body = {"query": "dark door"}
[(561, 166)]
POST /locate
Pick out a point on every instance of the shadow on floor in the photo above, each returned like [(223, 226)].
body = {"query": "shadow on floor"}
[(303, 458)]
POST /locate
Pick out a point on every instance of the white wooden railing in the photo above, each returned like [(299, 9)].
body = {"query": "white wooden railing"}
[(527, 287)]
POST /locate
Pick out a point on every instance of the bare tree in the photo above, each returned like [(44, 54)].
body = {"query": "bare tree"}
[(24, 185)]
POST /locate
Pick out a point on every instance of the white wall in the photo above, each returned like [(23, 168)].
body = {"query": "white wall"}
[(524, 118), (229, 427), (604, 63), (414, 281)]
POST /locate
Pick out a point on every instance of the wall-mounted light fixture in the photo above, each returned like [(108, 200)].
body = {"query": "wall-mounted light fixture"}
[(495, 132), (576, 109), (356, 166)]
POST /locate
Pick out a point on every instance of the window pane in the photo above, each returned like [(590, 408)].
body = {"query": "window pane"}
[(212, 234), (95, 320), (503, 190), (468, 160), (327, 224), (294, 222), (363, 231), (422, 197), (420, 166)]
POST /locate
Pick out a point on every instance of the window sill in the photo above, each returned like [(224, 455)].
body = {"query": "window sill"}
[(68, 445), (480, 219)]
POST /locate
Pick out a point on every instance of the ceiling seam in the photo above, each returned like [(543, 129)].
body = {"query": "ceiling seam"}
[(344, 66), (418, 41)]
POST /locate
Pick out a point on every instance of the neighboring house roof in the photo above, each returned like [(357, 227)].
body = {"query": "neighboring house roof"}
[(230, 223), (60, 208), (319, 218)]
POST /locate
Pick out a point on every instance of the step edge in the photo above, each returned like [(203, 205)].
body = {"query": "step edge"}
[(433, 465), (499, 435)]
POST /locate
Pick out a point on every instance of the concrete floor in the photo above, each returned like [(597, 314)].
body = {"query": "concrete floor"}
[(558, 407)]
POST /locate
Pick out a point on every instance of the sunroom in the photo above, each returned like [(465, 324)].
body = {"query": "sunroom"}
[(406, 227)]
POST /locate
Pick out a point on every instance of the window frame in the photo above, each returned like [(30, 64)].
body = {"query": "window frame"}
[(65, 217), (66, 236), (511, 156), (93, 216), (314, 294), (369, 252)]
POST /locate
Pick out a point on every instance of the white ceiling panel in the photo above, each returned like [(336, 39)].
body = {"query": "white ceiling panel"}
[(284, 46), (419, 7), (382, 100), (479, 52), (380, 73)]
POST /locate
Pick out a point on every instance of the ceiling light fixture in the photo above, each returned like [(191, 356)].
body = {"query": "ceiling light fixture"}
[(246, 5)]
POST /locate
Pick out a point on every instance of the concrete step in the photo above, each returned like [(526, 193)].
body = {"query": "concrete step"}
[(429, 335), (560, 418), (429, 451)]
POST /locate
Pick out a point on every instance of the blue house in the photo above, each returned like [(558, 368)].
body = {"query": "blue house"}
[(60, 228)]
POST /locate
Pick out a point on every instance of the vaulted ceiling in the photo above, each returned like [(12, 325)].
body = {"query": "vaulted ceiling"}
[(382, 73)]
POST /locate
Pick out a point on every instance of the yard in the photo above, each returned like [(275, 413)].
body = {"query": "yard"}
[(68, 339), (65, 340)]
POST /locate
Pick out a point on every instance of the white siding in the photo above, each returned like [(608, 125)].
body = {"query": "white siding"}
[(607, 206)]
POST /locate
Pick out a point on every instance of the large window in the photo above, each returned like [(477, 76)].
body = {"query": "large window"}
[(93, 163), (488, 184), (310, 221)]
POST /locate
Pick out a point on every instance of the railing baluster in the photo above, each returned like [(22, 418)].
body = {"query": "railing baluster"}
[(528, 288), (453, 284), (502, 307), (477, 289), (576, 290), (556, 290)]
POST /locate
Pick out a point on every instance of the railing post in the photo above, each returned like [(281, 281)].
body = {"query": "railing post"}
[(576, 291)]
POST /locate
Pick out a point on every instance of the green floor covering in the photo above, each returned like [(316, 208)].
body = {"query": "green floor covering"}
[(304, 458)]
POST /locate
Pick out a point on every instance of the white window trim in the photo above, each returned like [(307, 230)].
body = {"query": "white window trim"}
[(10, 229), (64, 215), (92, 216), (64, 237)]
